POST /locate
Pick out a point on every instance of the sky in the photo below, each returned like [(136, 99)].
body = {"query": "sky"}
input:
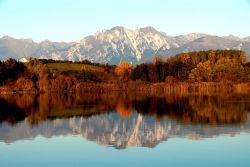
[(72, 20)]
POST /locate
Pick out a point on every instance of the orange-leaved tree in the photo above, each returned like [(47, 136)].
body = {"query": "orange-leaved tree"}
[(123, 70)]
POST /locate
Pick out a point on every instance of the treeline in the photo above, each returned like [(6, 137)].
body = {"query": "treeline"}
[(36, 76), (10, 70), (47, 61), (203, 66)]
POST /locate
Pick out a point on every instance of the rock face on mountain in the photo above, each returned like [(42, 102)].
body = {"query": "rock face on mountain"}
[(246, 39), (113, 130), (119, 44)]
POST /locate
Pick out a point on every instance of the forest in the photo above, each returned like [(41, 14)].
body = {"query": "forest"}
[(38, 75)]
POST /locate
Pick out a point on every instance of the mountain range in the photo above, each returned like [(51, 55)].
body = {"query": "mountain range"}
[(119, 44)]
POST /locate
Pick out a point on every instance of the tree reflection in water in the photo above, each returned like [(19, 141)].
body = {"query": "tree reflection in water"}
[(121, 119), (188, 109)]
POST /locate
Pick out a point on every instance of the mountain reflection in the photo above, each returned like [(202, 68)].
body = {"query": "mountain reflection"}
[(120, 119)]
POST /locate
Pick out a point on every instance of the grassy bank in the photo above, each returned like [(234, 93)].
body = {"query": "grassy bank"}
[(60, 67)]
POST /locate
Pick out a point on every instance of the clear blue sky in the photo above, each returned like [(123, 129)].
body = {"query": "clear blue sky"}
[(71, 20)]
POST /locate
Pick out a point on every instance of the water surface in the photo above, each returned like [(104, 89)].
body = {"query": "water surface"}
[(124, 130)]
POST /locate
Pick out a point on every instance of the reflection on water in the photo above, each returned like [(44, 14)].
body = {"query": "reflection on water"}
[(123, 120)]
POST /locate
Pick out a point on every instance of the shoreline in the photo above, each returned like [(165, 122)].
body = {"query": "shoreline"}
[(139, 86)]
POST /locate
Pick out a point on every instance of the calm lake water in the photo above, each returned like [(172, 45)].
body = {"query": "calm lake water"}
[(120, 129)]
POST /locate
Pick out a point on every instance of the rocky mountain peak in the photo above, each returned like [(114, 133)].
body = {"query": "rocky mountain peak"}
[(148, 29), (233, 37)]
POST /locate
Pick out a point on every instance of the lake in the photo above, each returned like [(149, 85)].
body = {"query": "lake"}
[(125, 129)]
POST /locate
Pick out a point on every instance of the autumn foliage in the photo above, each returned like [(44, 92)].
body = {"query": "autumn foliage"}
[(123, 70), (221, 66), (203, 66)]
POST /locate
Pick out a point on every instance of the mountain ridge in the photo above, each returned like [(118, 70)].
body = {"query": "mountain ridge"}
[(119, 44)]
